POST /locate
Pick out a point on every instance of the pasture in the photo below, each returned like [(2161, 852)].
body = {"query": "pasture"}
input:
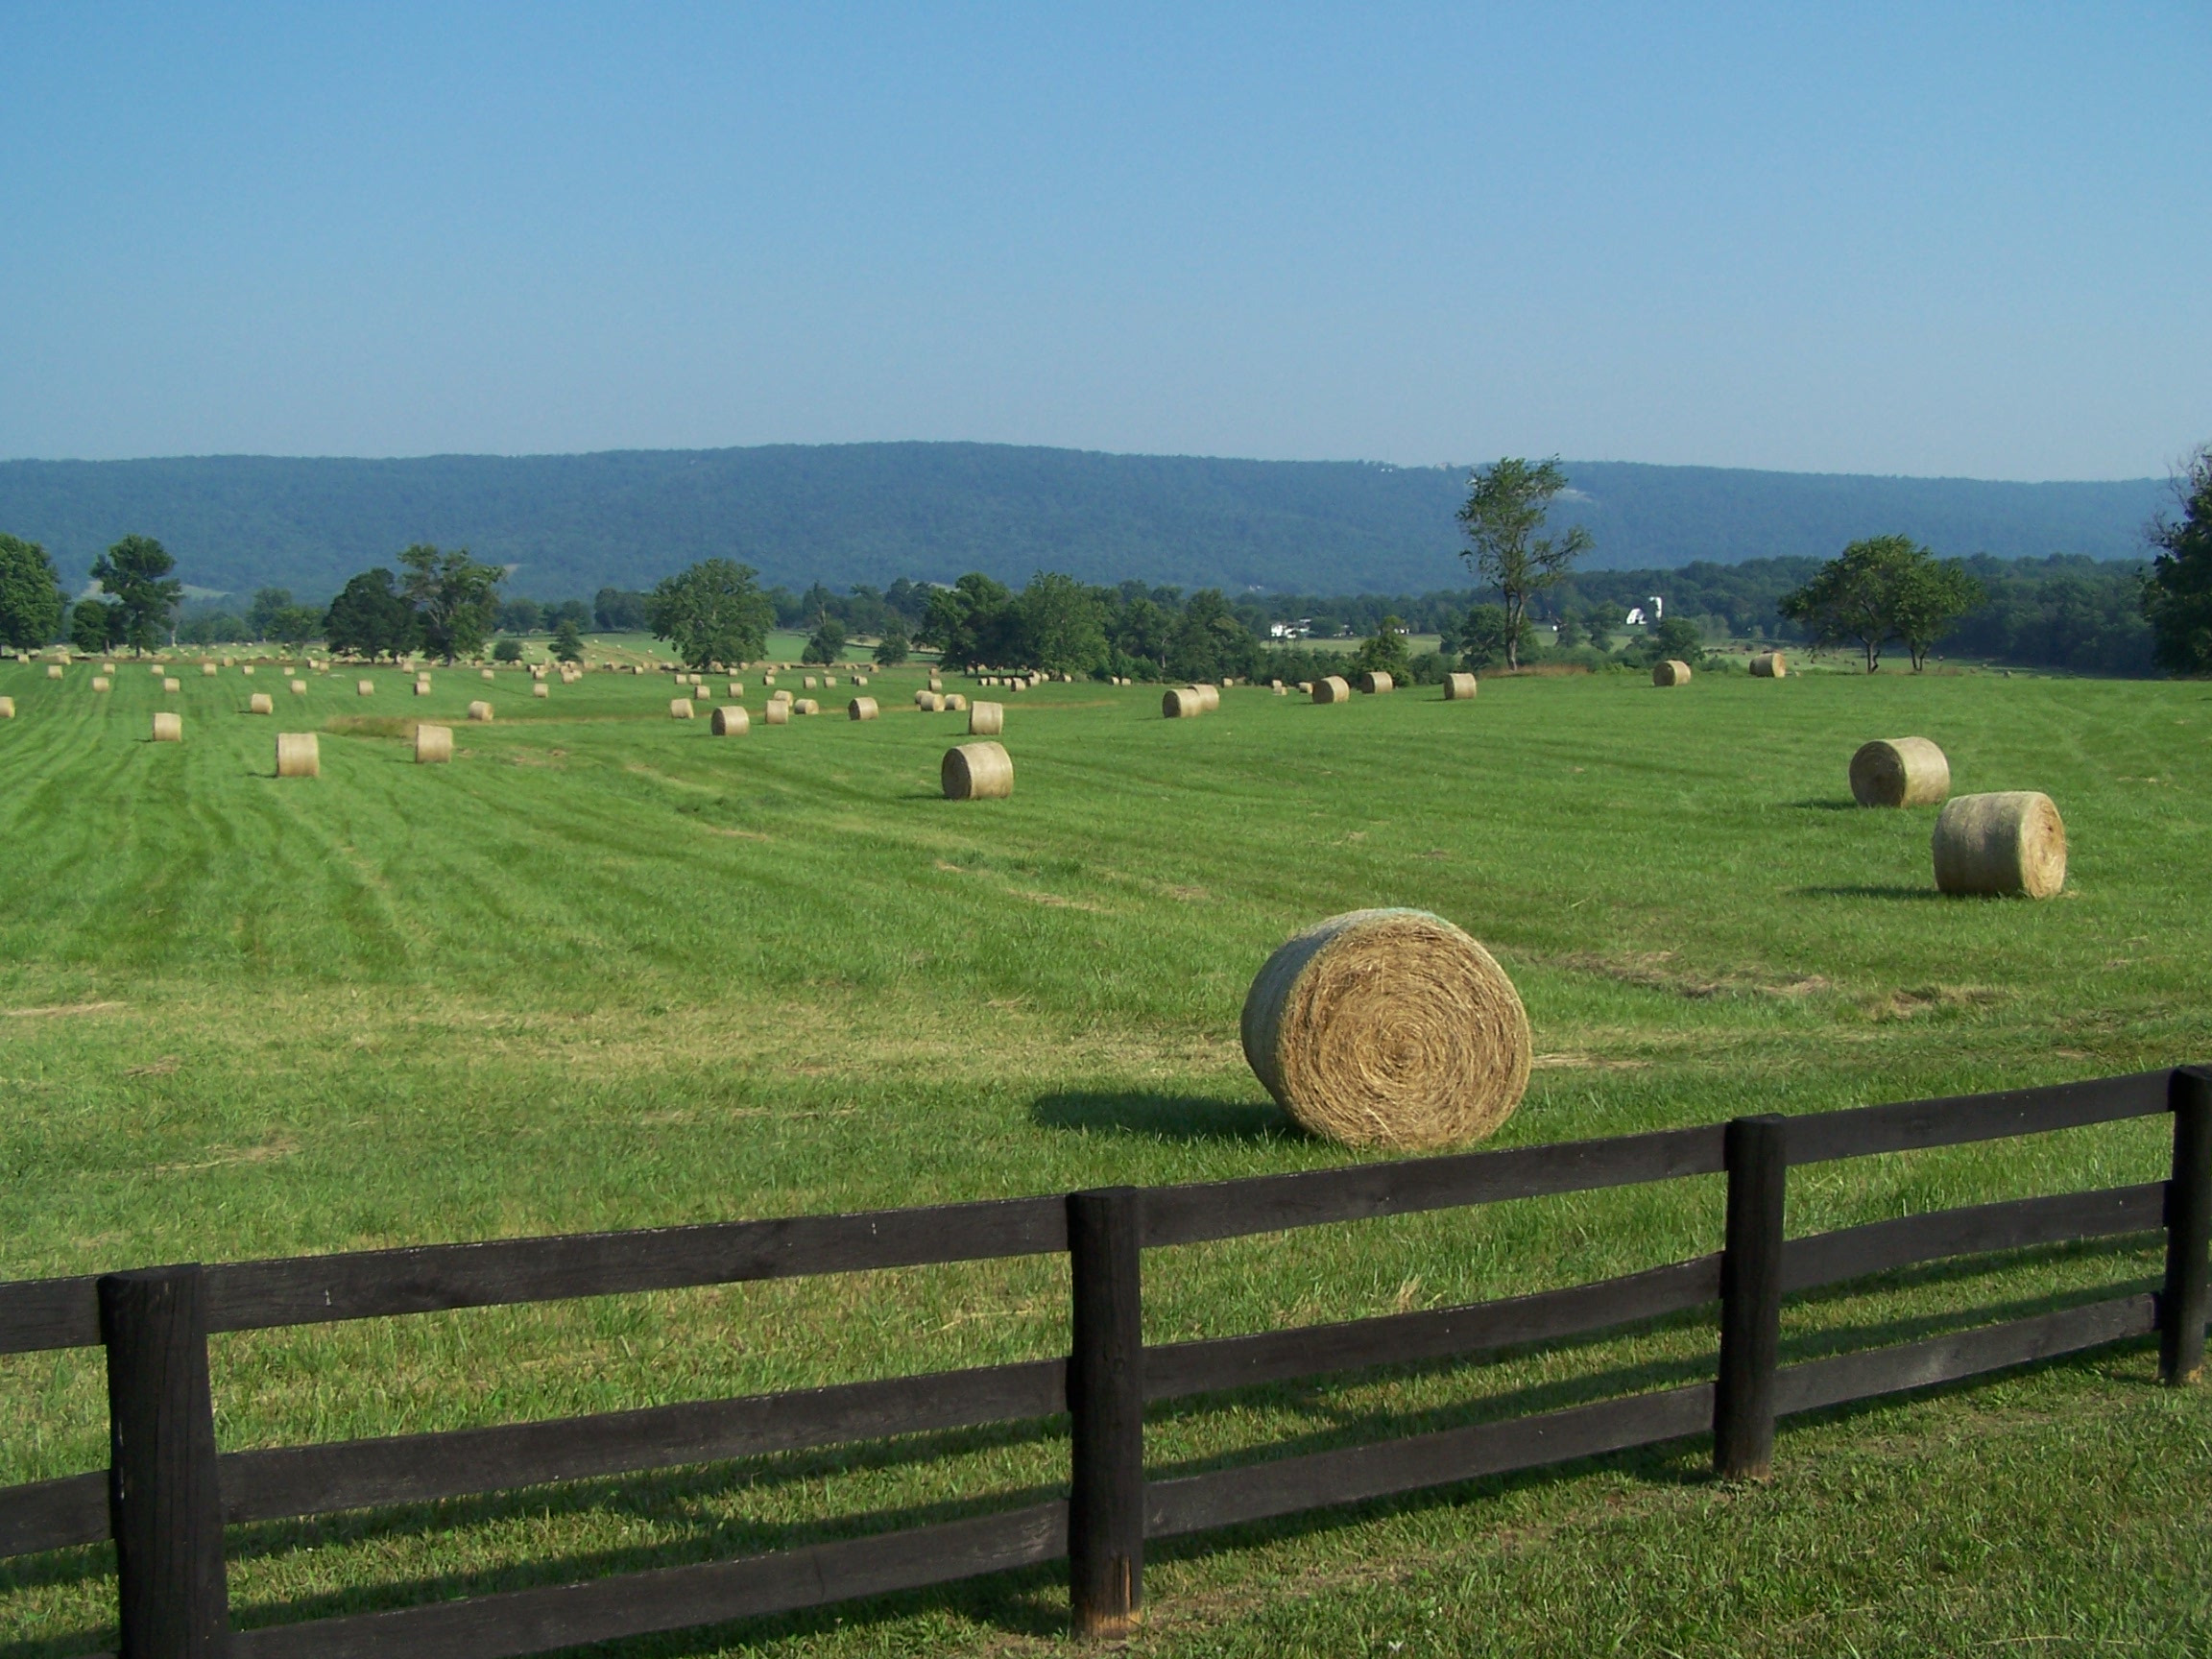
[(606, 970)]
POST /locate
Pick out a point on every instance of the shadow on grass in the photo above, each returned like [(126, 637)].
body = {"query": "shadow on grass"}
[(1163, 1117), (1866, 890)]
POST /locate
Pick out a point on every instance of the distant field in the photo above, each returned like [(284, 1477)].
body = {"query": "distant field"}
[(608, 971)]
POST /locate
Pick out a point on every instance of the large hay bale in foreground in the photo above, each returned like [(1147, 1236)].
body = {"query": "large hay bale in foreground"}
[(260, 703), (1459, 687), (1181, 702), (1770, 666), (1671, 672), (2011, 842), (679, 708), (778, 712), (1375, 683), (298, 755), (1899, 771), (1389, 1028), (729, 721), (433, 745), (977, 772), (168, 728), (480, 713), (861, 708), (986, 719), (1334, 689)]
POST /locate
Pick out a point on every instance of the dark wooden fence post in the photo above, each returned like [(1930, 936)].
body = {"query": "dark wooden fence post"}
[(163, 1503), (1106, 1399), (2182, 1309), (1750, 1299)]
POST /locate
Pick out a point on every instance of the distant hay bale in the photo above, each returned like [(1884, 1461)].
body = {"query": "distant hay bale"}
[(782, 694), (702, 692), (736, 687), (679, 708), (954, 703), (1182, 702), (986, 719), (1459, 687), (829, 680), (767, 679), (929, 702), (209, 670), (55, 671), (2011, 842), (101, 683), (365, 687), (248, 670), (1899, 771), (1389, 1028), (106, 667), (1375, 683), (1770, 666), (7, 708), (1335, 689), (488, 674), (260, 703), (433, 745), (1280, 689), (540, 689), (808, 682), (729, 721), (298, 755), (1671, 672), (861, 708), (480, 713), (168, 728), (977, 772), (859, 679), (806, 705), (298, 688), (778, 712), (172, 685)]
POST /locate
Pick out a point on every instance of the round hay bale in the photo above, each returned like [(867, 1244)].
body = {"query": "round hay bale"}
[(168, 728), (298, 688), (298, 755), (248, 670), (859, 679), (540, 689), (106, 667), (782, 694), (778, 712), (954, 703), (1334, 689), (1182, 702), (260, 703), (829, 680), (488, 675), (55, 671), (679, 708), (767, 679), (208, 670), (737, 688), (101, 683), (1375, 683), (365, 687), (807, 706), (1899, 771), (172, 685), (1209, 696), (480, 713), (433, 745), (925, 699), (1770, 666), (861, 708), (986, 719), (2011, 842), (808, 682), (230, 662), (7, 708), (1671, 672), (977, 772), (1389, 1028), (1459, 687), (729, 721)]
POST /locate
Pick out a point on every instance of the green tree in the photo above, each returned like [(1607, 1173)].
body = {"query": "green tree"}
[(1384, 652), (1486, 638), (619, 611), (94, 626), (1208, 641), (568, 641), (134, 573), (2177, 595), (713, 613), (455, 598), (972, 623), (507, 651), (294, 625), (1675, 637), (371, 618), (1881, 589), (827, 643), (1930, 597), (261, 615), (894, 647), (31, 596), (1506, 504), (1063, 625), (1570, 631)]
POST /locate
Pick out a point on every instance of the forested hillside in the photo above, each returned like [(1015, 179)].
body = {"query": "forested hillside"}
[(871, 513)]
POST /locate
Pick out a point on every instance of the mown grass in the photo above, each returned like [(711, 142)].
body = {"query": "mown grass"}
[(608, 971)]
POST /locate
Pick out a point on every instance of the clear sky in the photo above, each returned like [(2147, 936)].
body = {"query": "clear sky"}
[(1913, 238)]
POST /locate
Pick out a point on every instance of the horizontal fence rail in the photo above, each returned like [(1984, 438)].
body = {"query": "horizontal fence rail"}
[(171, 1493)]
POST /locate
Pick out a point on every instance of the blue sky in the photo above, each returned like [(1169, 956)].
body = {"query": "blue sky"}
[(1921, 239)]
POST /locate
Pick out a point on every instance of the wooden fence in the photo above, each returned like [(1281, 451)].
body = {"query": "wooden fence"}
[(169, 1493)]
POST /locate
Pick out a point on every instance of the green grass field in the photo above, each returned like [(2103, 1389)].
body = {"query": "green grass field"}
[(608, 971)]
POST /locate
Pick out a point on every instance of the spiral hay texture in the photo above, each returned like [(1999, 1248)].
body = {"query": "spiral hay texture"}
[(1459, 687), (168, 728), (1183, 703), (1770, 666), (1335, 689), (729, 721), (1671, 672), (1375, 683), (2013, 843), (1389, 1028), (977, 772), (298, 755), (433, 745), (861, 708), (986, 719), (1899, 771)]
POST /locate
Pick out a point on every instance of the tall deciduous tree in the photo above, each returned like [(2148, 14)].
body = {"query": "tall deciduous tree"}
[(1208, 640), (31, 596), (1384, 652), (371, 617), (134, 573), (972, 623), (713, 613), (568, 641), (1506, 505), (455, 598), (1881, 589), (1063, 625), (2177, 595), (95, 626)]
